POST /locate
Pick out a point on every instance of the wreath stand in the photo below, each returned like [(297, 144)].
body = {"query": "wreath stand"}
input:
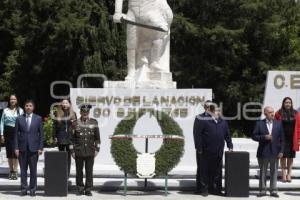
[(146, 137), (166, 158)]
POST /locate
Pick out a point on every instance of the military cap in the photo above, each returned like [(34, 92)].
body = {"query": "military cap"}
[(85, 107)]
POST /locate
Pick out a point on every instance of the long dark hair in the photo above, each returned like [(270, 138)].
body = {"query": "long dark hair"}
[(60, 111), (284, 112), (283, 102)]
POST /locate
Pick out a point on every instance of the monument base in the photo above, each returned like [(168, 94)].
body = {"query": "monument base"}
[(141, 84), (149, 80)]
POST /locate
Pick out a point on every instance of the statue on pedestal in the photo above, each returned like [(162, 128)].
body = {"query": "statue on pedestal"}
[(148, 41)]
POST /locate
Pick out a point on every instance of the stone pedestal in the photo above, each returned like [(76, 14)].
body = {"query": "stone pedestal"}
[(159, 76), (153, 80)]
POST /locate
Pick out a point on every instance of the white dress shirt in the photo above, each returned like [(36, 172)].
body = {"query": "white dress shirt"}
[(28, 120), (269, 125)]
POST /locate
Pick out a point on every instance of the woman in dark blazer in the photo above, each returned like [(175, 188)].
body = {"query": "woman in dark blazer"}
[(64, 118), (290, 119)]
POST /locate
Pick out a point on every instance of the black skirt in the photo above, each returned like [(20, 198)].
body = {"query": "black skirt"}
[(9, 136), (288, 148), (288, 128)]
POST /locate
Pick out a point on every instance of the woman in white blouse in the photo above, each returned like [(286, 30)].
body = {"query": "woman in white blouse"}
[(7, 129)]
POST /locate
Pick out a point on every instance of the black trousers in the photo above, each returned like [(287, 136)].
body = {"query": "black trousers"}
[(210, 173), (200, 186), (66, 148), (27, 158), (88, 162)]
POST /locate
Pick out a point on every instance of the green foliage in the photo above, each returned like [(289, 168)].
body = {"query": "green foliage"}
[(122, 150), (48, 131), (226, 45), (48, 40), (230, 45), (167, 157)]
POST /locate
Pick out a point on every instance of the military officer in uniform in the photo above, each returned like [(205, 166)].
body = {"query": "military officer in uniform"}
[(84, 148)]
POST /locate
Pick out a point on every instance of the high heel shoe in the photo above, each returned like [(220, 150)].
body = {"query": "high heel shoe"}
[(283, 179), (289, 178)]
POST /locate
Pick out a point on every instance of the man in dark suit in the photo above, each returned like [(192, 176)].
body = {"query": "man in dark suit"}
[(269, 133), (197, 124), (210, 133), (29, 141)]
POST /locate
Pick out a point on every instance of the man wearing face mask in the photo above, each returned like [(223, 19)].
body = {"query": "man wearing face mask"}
[(84, 148), (212, 132), (197, 124)]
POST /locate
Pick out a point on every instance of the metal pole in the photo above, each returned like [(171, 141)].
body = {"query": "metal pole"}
[(146, 150), (125, 184), (166, 185)]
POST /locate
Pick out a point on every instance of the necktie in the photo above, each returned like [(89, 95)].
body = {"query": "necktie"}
[(28, 122), (66, 120)]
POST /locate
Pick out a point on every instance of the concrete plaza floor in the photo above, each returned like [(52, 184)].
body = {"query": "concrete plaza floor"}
[(139, 195)]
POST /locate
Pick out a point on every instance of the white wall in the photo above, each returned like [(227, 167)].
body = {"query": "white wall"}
[(282, 84), (145, 125)]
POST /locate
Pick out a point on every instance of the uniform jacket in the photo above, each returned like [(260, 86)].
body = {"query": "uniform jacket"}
[(85, 139)]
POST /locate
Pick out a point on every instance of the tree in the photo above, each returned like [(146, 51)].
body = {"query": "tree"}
[(230, 45), (50, 40), (226, 45)]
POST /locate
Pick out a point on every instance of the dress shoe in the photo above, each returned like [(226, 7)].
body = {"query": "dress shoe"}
[(262, 194), (80, 192), (88, 193), (69, 183), (218, 194), (201, 192), (204, 194), (198, 191), (274, 194), (23, 193), (32, 193)]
